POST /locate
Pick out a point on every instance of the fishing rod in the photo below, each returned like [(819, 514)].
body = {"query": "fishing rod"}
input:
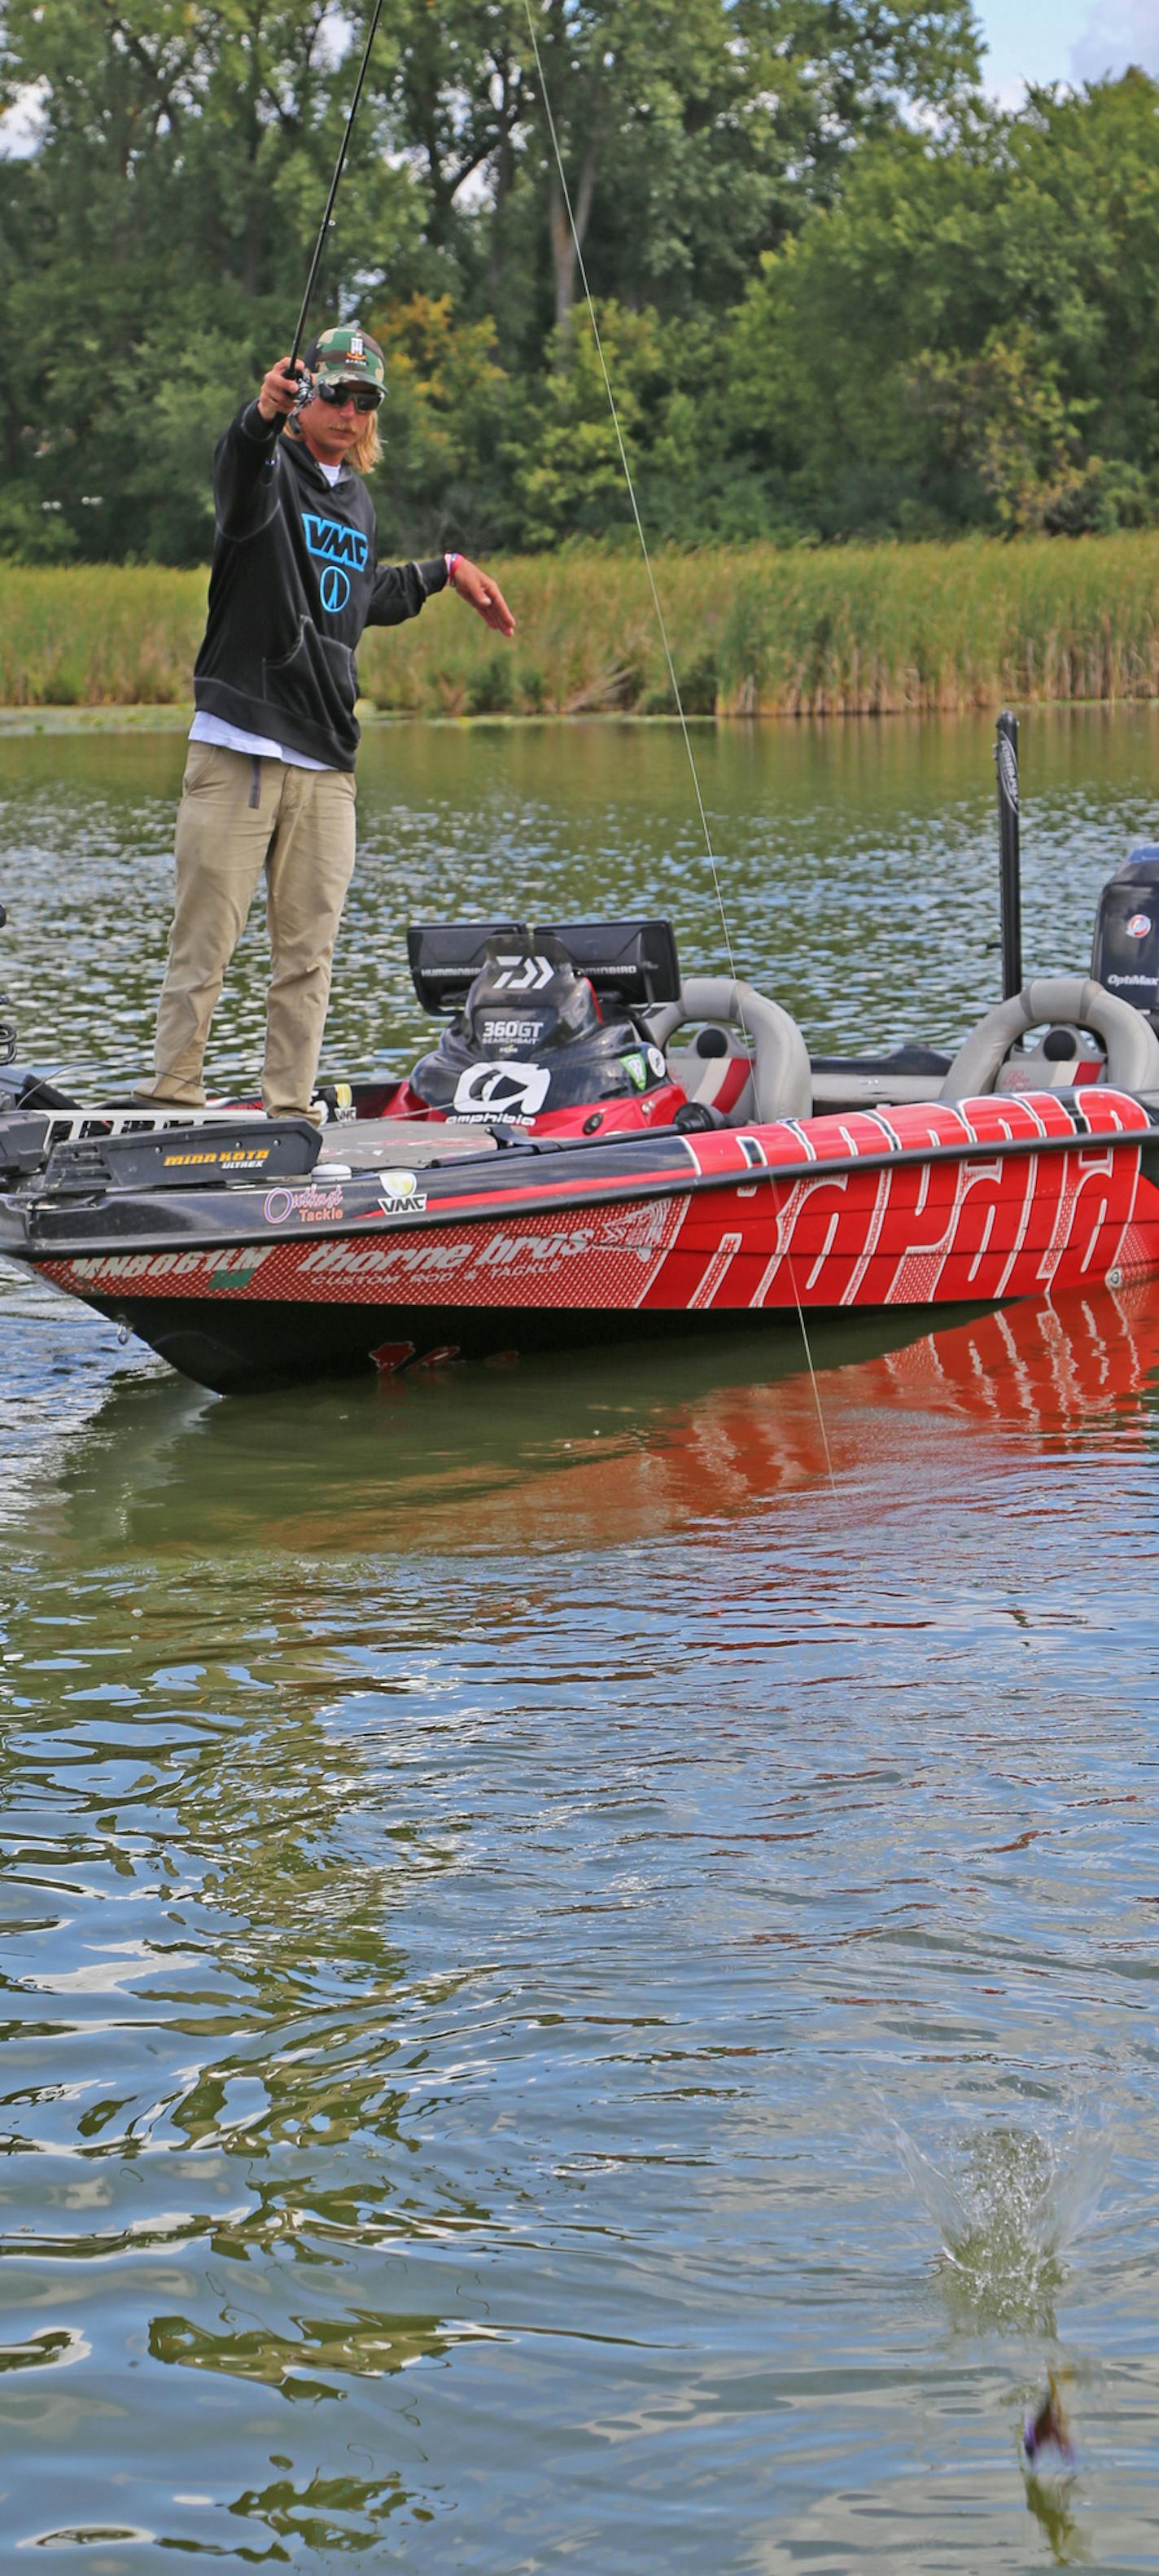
[(327, 218)]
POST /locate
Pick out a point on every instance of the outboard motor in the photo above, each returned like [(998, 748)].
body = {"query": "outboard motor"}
[(530, 1038), (1125, 955)]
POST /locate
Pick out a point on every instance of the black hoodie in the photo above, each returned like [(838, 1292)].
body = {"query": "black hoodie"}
[(295, 578)]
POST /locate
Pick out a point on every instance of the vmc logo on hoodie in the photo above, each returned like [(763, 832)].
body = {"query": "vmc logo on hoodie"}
[(338, 545)]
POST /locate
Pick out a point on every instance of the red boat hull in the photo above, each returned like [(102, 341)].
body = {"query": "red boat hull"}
[(928, 1207)]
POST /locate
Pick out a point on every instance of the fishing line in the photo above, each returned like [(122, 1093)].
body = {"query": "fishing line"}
[(674, 684)]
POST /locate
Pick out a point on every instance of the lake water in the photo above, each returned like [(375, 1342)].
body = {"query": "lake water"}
[(580, 1942)]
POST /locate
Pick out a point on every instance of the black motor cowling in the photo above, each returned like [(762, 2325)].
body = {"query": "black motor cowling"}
[(1125, 956), (530, 1038)]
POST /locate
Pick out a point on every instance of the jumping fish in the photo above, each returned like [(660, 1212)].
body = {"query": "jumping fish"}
[(1046, 2441)]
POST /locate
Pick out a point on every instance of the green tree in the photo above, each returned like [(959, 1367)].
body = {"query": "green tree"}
[(446, 421), (967, 335), (691, 137)]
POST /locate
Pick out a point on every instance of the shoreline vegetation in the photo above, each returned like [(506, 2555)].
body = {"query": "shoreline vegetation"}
[(755, 631)]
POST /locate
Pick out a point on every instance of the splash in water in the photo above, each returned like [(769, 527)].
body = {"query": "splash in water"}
[(1006, 2216)]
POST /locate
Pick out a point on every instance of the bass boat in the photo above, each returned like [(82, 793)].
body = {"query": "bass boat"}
[(598, 1148)]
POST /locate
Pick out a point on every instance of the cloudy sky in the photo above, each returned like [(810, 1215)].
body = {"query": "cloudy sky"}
[(1066, 40)]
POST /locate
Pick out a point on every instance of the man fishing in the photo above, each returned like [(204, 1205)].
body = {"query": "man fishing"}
[(269, 781)]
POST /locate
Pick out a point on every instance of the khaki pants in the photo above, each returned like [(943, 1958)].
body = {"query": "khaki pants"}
[(238, 816)]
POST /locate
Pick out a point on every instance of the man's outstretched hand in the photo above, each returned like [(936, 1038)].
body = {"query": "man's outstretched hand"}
[(483, 594)]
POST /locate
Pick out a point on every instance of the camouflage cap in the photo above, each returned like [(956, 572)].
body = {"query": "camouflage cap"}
[(346, 355)]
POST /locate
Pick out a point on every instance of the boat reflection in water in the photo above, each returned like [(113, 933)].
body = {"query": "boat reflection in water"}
[(615, 1448), (1040, 1371)]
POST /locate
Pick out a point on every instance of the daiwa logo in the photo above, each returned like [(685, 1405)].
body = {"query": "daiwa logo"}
[(515, 1091), (338, 546), (523, 974)]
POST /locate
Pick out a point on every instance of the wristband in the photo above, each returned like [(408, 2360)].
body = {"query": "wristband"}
[(450, 562)]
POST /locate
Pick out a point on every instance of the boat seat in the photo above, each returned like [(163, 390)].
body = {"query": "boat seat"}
[(780, 1085), (1065, 1001)]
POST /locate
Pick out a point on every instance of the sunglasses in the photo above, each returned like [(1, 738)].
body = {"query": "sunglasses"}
[(363, 397)]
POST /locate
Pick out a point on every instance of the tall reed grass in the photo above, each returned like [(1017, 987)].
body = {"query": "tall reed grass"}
[(856, 630), (98, 635)]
